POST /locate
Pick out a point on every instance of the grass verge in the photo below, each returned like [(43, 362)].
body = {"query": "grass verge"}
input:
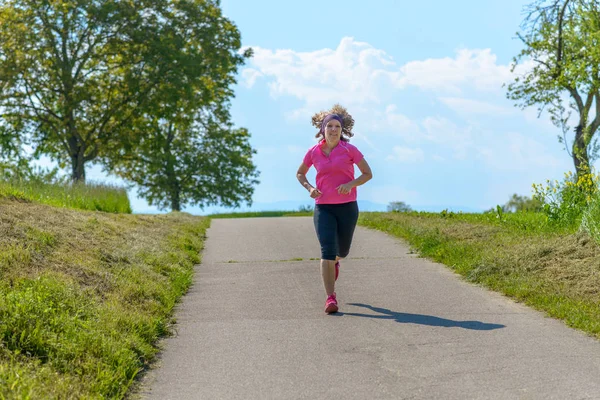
[(84, 296), (89, 196), (553, 270)]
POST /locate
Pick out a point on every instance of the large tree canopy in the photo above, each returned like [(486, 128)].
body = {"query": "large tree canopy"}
[(182, 162), (562, 37), (78, 75), (10, 146)]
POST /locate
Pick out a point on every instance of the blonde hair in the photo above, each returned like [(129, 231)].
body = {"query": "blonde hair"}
[(337, 109)]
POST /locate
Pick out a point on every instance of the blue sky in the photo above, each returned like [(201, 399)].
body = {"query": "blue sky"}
[(423, 81)]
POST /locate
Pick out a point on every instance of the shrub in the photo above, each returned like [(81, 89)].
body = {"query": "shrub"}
[(565, 202), (306, 208), (398, 206), (590, 221)]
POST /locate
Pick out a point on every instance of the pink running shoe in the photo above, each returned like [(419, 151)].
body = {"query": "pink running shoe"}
[(337, 269), (331, 304)]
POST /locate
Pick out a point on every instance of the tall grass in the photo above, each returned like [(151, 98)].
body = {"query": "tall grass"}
[(84, 297), (590, 222), (90, 196)]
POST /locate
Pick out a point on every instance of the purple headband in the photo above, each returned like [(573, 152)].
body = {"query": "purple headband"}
[(328, 118)]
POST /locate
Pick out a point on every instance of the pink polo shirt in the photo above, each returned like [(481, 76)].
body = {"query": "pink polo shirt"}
[(333, 170)]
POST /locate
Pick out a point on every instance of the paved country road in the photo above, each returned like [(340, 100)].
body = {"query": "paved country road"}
[(253, 327)]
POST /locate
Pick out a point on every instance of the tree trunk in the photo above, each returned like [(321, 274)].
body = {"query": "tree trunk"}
[(76, 146), (175, 201), (77, 168), (77, 151), (174, 189), (170, 160), (580, 154), (172, 182)]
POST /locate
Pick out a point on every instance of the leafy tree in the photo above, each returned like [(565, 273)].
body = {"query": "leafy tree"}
[(522, 203), (562, 38), (518, 203), (306, 208), (178, 163), (22, 169), (10, 147), (77, 75), (398, 206), (13, 162), (16, 165)]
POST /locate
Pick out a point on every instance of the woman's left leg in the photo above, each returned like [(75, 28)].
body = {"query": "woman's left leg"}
[(346, 219)]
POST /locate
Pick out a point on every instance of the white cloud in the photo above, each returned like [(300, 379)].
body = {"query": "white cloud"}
[(358, 73), (470, 68), (500, 151), (407, 155), (390, 121), (469, 107), (446, 133), (249, 76), (352, 73), (368, 81), (515, 152)]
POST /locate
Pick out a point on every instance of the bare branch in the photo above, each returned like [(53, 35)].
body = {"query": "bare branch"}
[(523, 39), (588, 103), (536, 11), (170, 133), (93, 154), (596, 123), (559, 49), (30, 93), (566, 142), (577, 97), (48, 27), (543, 63), (90, 52)]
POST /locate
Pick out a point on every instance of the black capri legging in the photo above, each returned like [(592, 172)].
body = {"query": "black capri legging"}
[(335, 225)]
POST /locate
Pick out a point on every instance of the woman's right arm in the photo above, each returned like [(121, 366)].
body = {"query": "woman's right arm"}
[(301, 176)]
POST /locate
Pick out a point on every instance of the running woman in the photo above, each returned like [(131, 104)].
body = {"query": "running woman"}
[(336, 209)]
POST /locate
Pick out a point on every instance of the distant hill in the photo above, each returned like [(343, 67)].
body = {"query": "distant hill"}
[(439, 208), (294, 205)]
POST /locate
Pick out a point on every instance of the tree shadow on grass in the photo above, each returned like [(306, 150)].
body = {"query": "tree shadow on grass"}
[(421, 319)]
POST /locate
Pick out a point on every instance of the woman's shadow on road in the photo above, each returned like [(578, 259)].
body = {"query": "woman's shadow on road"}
[(420, 319)]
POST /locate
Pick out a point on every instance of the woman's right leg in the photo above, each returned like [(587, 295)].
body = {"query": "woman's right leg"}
[(326, 228)]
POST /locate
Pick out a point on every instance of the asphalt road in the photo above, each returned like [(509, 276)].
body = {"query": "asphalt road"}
[(253, 327)]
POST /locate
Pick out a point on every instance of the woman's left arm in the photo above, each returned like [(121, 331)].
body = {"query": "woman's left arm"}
[(365, 176)]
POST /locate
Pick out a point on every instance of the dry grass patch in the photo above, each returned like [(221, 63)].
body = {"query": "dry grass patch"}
[(574, 261)]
